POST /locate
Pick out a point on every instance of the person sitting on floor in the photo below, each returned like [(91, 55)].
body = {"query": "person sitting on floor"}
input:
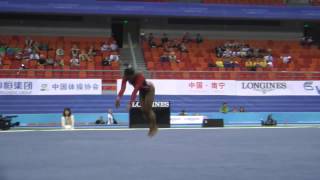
[(67, 119)]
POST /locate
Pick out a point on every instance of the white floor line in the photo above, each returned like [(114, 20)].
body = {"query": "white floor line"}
[(161, 129)]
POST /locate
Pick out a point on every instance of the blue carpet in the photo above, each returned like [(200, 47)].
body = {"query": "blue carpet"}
[(204, 154)]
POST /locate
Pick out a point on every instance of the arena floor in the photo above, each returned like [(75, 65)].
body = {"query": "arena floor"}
[(179, 154)]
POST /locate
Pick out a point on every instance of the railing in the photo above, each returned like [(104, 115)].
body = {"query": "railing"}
[(109, 76)]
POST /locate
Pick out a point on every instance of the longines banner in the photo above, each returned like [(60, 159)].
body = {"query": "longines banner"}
[(50, 86), (232, 88)]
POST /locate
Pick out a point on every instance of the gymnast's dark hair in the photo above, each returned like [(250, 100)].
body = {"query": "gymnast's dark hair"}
[(64, 112), (129, 72)]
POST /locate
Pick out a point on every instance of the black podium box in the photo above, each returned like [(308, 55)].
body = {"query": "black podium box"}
[(213, 123), (161, 109)]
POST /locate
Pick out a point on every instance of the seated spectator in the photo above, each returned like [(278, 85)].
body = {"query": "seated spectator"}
[(164, 57), (59, 51), (42, 60), (186, 37), (59, 61), (219, 63), (199, 38), (67, 119), (83, 56), (241, 109), (150, 37), (261, 63), (152, 44), (227, 63), (34, 55), (235, 63), (250, 65), (50, 62), (270, 64), (114, 46), (107, 60), (21, 68), (105, 47), (172, 56), (306, 41), (142, 36), (35, 46), (75, 51), (2, 50), (269, 122), (224, 108), (234, 109), (183, 113), (110, 118), (164, 38), (286, 59), (114, 57), (28, 42), (227, 53), (268, 58), (92, 52), (183, 48), (1, 58), (75, 61)]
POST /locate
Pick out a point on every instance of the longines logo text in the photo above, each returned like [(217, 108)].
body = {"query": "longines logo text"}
[(264, 87), (309, 86), (155, 104)]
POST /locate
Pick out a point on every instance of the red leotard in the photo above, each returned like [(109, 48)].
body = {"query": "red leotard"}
[(139, 83)]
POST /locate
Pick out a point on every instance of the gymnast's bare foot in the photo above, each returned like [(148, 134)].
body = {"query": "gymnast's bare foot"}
[(153, 131)]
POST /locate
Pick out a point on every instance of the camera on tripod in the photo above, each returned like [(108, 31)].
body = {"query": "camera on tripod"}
[(6, 124)]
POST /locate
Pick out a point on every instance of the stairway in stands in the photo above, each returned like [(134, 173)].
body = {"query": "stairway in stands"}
[(141, 65)]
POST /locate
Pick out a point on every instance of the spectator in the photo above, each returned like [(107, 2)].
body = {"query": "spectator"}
[(183, 48), (50, 62), (150, 38), (106, 62), (235, 63), (172, 56), (152, 44), (234, 109), (110, 118), (241, 109), (59, 61), (164, 38), (250, 65), (270, 121), (219, 63), (59, 51), (224, 108), (105, 47), (100, 120), (21, 68), (268, 58), (142, 36), (42, 60), (75, 51), (43, 46), (28, 42), (114, 57), (286, 59), (186, 37), (92, 52), (114, 46), (1, 58), (35, 46), (34, 55), (261, 63), (83, 56), (2, 50), (199, 38), (306, 41), (270, 64), (227, 63), (164, 57), (183, 113), (75, 61), (67, 119)]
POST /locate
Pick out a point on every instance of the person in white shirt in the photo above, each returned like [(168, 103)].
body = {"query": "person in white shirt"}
[(110, 117), (105, 47), (286, 59), (34, 56), (114, 46), (113, 57), (75, 61), (268, 58), (67, 119)]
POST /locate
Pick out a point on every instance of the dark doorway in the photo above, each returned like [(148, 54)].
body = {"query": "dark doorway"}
[(117, 31)]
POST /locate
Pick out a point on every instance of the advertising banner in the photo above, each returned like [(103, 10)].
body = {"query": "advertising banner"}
[(50, 86), (231, 87)]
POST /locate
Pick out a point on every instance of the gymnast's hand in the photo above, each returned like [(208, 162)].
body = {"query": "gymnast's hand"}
[(117, 103)]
